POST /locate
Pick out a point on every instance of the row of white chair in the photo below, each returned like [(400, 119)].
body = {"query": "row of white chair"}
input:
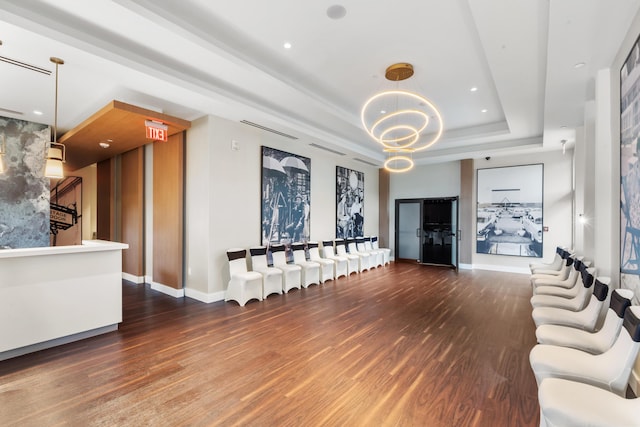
[(349, 256), (588, 340)]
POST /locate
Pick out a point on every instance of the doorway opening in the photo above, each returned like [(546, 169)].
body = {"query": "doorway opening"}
[(427, 231)]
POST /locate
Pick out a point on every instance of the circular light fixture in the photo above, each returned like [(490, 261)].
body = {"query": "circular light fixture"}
[(104, 144), (484, 110), (398, 164), (579, 65), (474, 89), (287, 45), (37, 112)]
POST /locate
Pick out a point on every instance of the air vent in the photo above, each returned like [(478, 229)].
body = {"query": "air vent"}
[(365, 162), (246, 122), (327, 149), (24, 65)]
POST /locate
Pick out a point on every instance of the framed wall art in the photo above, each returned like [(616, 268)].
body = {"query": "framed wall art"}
[(509, 210), (349, 203), (286, 197), (630, 170)]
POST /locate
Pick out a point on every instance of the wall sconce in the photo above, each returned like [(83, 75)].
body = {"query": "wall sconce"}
[(564, 146), (56, 154)]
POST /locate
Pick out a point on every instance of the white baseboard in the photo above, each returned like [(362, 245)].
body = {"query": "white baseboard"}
[(503, 268), (465, 266), (176, 293), (203, 296), (131, 278), (148, 279)]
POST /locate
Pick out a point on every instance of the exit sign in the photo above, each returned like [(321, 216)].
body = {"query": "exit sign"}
[(156, 130)]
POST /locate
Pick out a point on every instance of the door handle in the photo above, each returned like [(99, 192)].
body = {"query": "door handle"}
[(417, 232)]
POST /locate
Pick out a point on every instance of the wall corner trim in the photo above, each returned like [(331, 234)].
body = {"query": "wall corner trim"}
[(203, 296), (176, 293), (131, 278)]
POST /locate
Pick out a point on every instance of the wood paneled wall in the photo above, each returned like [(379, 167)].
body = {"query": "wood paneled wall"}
[(105, 218), (168, 211), (132, 211), (467, 241), (383, 208)]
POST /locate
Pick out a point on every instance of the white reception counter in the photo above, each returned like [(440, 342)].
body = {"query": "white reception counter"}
[(54, 295)]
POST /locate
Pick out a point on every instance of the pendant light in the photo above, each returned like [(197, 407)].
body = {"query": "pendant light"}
[(401, 121), (56, 153)]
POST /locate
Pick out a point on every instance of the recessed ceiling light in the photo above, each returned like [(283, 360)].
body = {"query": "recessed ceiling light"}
[(37, 112), (383, 111), (104, 144), (563, 127), (579, 65), (484, 110), (473, 89), (337, 11), (287, 45)]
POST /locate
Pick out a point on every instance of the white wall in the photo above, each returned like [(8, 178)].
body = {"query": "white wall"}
[(224, 212), (557, 209)]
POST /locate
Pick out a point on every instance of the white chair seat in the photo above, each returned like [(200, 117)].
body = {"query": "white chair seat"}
[(291, 274), (584, 319), (310, 269), (327, 266), (590, 342), (243, 285), (567, 403), (609, 370), (271, 276), (576, 303), (353, 261), (340, 263)]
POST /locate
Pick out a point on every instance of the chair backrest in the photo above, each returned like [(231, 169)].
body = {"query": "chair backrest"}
[(314, 252), (367, 243), (327, 248), (237, 261), (618, 304), (299, 255), (259, 257), (341, 247), (351, 246), (279, 254), (360, 244), (620, 358), (374, 242)]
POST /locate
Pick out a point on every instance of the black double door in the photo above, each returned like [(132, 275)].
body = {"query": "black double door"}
[(426, 230)]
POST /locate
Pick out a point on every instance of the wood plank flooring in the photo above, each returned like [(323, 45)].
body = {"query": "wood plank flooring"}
[(403, 345)]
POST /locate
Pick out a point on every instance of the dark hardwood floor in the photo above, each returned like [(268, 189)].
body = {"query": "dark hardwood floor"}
[(404, 345)]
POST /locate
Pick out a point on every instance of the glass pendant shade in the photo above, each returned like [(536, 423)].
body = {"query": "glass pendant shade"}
[(53, 167)]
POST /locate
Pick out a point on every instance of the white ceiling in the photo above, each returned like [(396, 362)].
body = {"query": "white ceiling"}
[(226, 58)]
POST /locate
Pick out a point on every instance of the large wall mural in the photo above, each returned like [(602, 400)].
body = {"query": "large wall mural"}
[(630, 171), (24, 190)]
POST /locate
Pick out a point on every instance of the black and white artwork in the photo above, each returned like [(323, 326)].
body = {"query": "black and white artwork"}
[(349, 203), (286, 201), (509, 211), (630, 170)]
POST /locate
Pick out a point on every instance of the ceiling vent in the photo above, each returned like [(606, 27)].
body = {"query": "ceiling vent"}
[(327, 149), (25, 65), (365, 162), (247, 122)]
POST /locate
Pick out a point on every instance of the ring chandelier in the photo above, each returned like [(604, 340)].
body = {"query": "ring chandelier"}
[(403, 122)]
